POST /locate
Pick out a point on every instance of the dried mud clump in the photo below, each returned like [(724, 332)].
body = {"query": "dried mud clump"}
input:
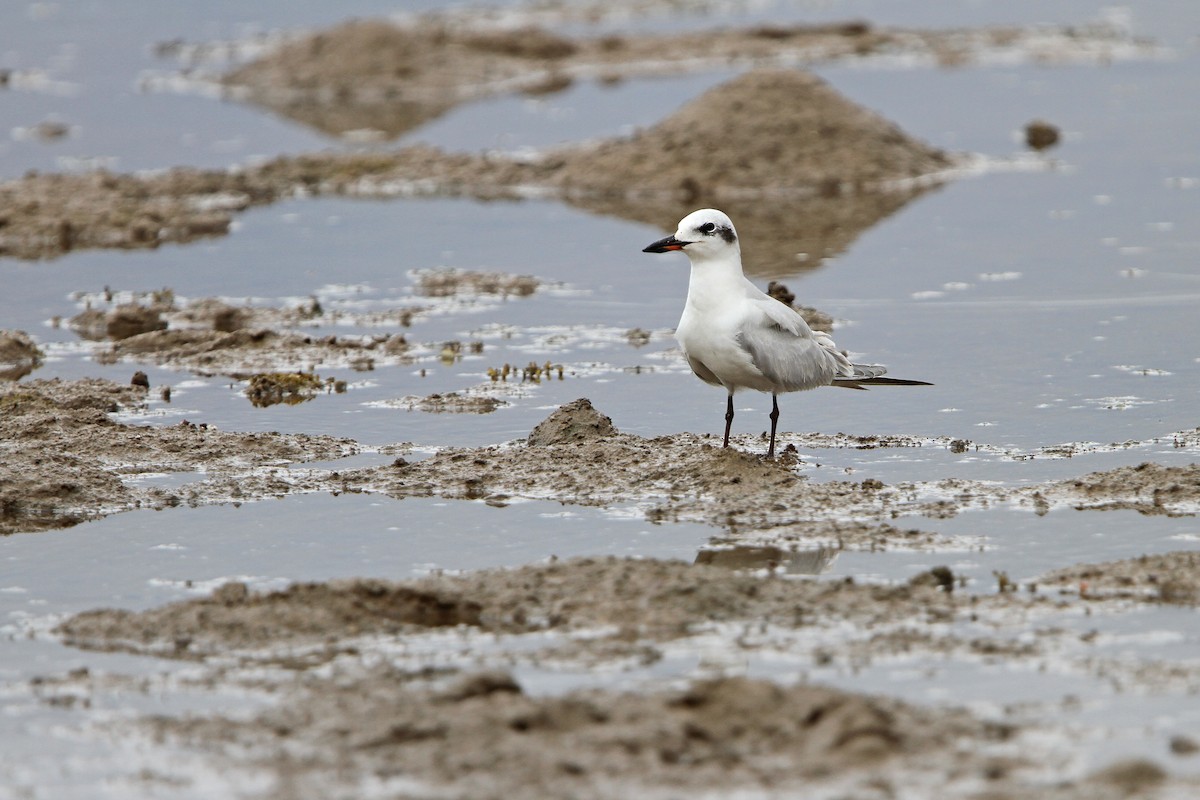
[(216, 315), (19, 355), (1041, 135), (575, 422)]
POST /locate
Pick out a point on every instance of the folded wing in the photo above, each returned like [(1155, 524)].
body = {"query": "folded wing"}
[(789, 353)]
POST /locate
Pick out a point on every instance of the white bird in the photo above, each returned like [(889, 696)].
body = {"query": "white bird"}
[(736, 336)]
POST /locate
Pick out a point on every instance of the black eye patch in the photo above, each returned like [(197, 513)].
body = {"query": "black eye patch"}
[(707, 227)]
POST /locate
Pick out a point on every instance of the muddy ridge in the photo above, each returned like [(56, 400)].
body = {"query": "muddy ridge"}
[(1172, 578), (572, 595), (479, 734), (575, 456), (64, 454)]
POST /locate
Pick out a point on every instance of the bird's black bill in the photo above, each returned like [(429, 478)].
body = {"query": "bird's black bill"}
[(863, 383), (665, 245)]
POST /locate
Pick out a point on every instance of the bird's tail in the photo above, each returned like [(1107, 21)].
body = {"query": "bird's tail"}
[(872, 375)]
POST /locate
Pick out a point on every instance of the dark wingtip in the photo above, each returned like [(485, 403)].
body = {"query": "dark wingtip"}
[(863, 383)]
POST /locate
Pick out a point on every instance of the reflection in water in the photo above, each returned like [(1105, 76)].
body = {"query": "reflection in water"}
[(776, 559), (801, 169), (780, 236)]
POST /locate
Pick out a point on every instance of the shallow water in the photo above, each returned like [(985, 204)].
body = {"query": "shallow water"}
[(1051, 301)]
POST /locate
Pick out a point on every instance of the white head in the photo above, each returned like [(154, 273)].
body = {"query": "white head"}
[(702, 234)]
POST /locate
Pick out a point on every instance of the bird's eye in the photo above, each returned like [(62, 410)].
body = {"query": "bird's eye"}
[(707, 227)]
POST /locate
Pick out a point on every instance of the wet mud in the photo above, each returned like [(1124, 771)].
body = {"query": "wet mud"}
[(262, 344), (356, 713), (475, 731), (575, 456), (65, 456), (352, 706)]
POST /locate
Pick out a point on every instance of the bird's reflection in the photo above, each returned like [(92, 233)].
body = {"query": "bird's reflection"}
[(776, 559)]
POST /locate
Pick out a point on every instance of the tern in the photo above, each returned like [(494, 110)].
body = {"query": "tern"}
[(736, 336)]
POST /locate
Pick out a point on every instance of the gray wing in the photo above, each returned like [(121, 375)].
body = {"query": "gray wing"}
[(791, 361)]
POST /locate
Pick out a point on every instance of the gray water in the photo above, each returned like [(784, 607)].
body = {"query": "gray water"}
[(1050, 304)]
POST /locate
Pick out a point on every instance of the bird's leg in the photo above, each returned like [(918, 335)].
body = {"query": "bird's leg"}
[(774, 419), (728, 418)]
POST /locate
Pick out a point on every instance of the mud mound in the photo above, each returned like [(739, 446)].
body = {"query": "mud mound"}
[(779, 135), (575, 456), (291, 388), (686, 475), (46, 479), (492, 740), (1169, 578), (572, 423), (765, 132)]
